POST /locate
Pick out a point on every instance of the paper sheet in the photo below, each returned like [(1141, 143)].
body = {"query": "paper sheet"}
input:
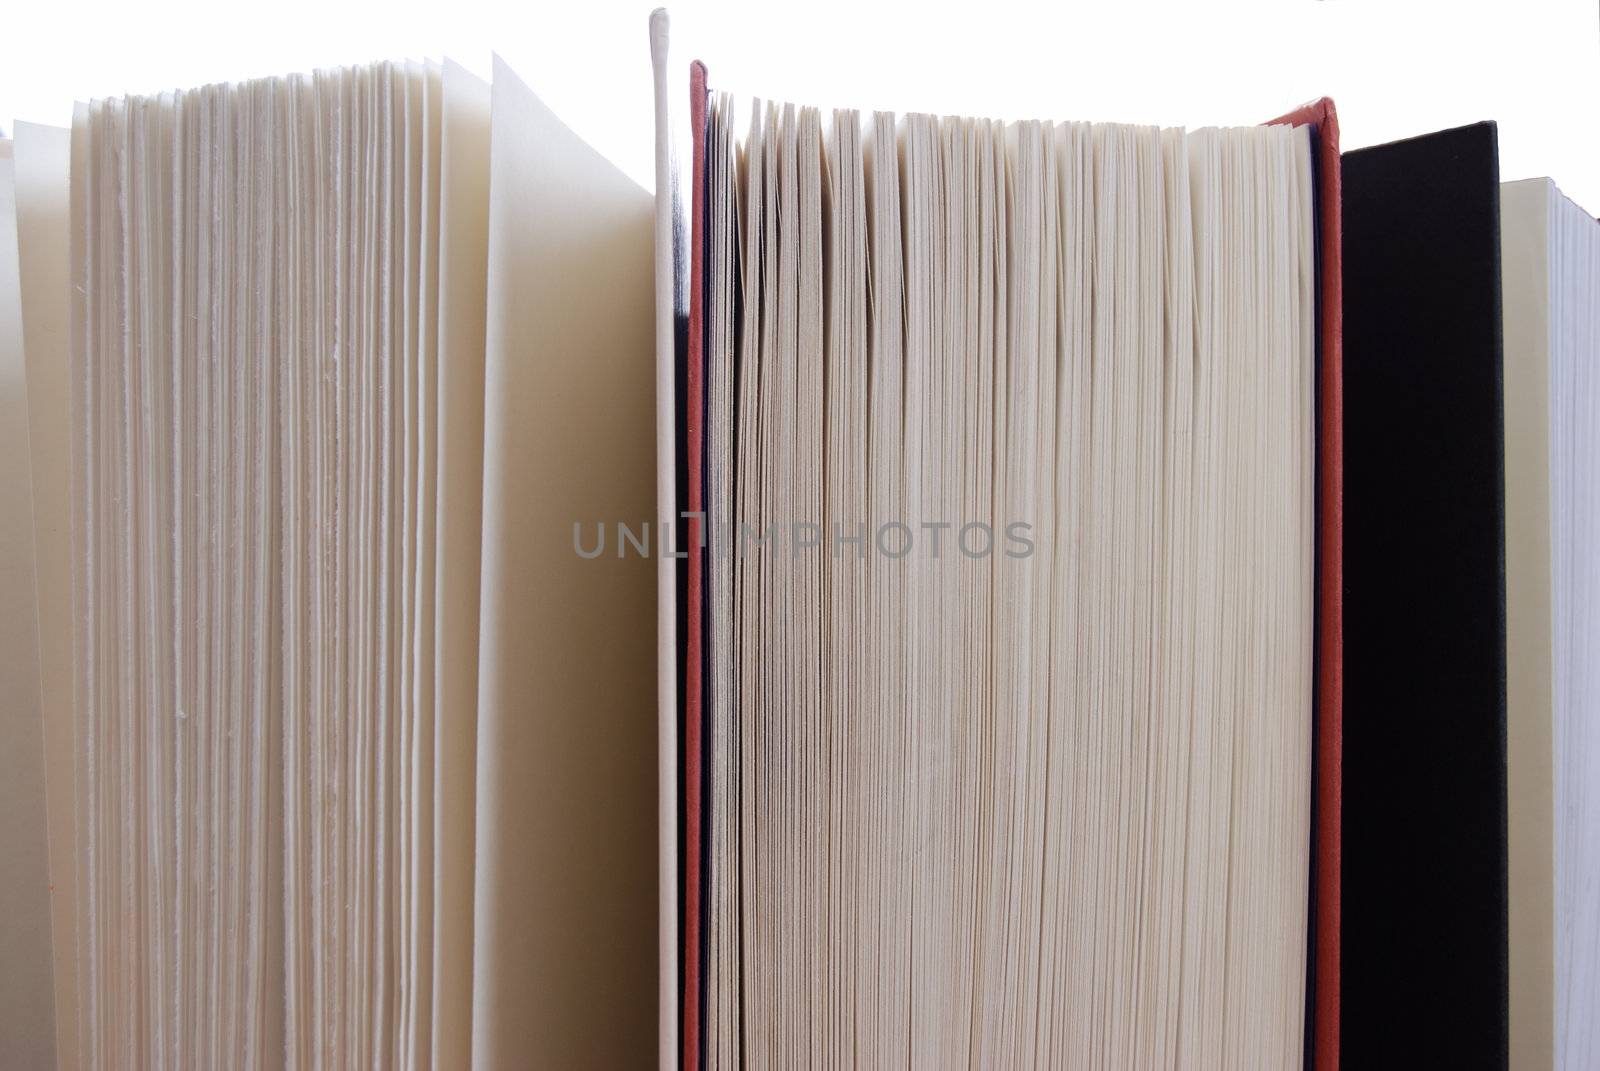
[(565, 920)]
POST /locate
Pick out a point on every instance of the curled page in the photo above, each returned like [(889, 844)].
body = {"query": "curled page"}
[(565, 919)]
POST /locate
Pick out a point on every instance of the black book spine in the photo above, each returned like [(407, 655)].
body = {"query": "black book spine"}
[(1424, 929)]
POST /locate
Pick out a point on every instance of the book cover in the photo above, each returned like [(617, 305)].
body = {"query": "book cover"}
[(1322, 1020), (1424, 940)]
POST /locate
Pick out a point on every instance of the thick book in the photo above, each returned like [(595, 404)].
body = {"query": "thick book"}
[(332, 733), (723, 277), (1424, 932)]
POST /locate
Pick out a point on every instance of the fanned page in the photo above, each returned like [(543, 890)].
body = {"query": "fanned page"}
[(348, 749), (1010, 467), (256, 405)]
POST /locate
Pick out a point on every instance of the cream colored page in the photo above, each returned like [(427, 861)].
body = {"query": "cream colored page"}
[(1525, 271), (27, 1036), (565, 921), (463, 241), (41, 161)]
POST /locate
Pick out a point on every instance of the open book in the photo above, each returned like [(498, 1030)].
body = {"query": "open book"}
[(342, 745)]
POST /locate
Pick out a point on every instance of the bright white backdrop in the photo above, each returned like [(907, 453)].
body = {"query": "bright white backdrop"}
[(1394, 67)]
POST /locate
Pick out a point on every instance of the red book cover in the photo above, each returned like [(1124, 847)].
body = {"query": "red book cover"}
[(1320, 115)]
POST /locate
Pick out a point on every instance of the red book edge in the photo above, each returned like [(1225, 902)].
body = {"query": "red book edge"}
[(1330, 586), (1321, 116), (694, 643)]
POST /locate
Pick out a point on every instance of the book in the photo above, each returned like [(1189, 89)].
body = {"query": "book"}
[(1550, 261), (1424, 841), (336, 742), (871, 322)]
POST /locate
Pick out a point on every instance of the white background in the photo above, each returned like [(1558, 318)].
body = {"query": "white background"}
[(1394, 67)]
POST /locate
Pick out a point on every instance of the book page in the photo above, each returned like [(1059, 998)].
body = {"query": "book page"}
[(463, 257), (566, 905), (27, 991), (41, 165)]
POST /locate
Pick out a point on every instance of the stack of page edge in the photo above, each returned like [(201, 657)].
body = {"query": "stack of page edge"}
[(725, 279)]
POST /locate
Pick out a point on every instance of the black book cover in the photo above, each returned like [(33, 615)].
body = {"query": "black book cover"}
[(1424, 942)]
